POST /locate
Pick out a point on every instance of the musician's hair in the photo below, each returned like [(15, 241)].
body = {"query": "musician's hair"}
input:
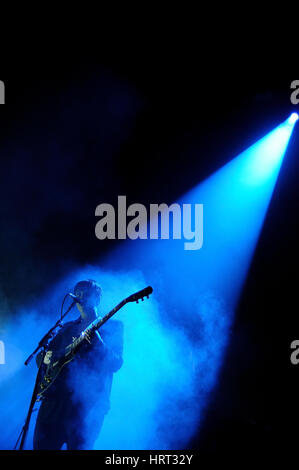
[(89, 287)]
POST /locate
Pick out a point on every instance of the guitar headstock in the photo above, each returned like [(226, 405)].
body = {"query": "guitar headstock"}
[(140, 294)]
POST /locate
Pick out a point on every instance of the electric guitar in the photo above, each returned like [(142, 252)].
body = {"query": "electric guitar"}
[(52, 370)]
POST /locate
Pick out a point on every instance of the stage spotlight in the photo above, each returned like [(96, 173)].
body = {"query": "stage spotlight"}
[(293, 118)]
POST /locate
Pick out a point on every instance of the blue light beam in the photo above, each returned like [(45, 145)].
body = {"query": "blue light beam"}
[(197, 290)]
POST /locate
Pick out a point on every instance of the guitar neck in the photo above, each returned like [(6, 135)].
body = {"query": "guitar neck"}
[(53, 370)]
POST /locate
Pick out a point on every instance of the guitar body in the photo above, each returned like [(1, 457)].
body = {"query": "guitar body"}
[(51, 373), (53, 369)]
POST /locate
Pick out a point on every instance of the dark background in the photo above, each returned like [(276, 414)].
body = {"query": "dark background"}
[(161, 122)]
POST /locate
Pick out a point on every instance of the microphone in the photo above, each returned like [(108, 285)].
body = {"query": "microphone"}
[(74, 297)]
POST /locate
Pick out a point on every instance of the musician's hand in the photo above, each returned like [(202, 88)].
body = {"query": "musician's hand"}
[(48, 356), (101, 344)]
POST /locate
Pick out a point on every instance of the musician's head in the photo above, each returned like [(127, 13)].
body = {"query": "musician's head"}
[(89, 293)]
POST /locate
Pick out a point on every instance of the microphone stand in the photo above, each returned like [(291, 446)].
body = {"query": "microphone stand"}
[(43, 345)]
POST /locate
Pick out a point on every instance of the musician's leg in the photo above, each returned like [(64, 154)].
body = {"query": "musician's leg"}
[(83, 437)]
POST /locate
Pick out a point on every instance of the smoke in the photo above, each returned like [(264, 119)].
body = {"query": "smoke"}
[(160, 393)]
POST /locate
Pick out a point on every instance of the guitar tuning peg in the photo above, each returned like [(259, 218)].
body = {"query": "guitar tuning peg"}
[(142, 299), (137, 301)]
